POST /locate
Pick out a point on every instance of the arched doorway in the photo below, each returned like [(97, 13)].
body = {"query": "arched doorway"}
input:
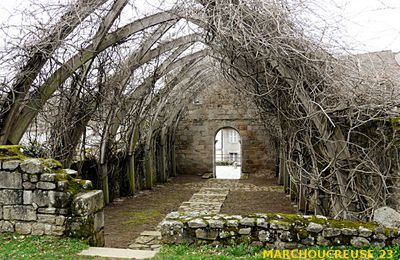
[(227, 154)]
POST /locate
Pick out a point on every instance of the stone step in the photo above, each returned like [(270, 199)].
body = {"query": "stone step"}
[(151, 233), (118, 253)]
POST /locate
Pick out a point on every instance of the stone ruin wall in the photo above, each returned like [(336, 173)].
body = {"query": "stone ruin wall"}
[(221, 106), (281, 231), (38, 197)]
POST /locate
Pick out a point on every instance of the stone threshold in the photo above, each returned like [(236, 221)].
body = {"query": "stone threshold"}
[(118, 253)]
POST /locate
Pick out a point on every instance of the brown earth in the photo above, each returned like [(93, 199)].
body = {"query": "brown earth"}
[(126, 218)]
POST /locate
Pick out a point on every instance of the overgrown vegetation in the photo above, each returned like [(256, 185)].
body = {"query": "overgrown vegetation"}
[(14, 246)]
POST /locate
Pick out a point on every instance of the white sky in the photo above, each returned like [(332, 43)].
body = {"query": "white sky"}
[(363, 25)]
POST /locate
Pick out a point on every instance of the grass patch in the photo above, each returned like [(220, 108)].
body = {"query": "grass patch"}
[(13, 246), (135, 217), (206, 252), (242, 251)]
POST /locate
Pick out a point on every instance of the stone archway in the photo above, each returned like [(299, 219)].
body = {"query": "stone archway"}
[(227, 159)]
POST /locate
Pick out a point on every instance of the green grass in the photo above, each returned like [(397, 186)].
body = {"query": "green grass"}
[(172, 252), (14, 246), (134, 217)]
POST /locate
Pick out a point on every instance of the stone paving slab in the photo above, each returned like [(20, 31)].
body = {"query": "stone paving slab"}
[(118, 253)]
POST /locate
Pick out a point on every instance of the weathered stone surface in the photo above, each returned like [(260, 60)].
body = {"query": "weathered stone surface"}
[(19, 212), (197, 223), (98, 221), (87, 203), (232, 223), (38, 229), (286, 236), (6, 226), (32, 166), (215, 223), (60, 199), (331, 232), (206, 234), (41, 198), (24, 228), (1, 212), (247, 221), (244, 231), (52, 210), (364, 232), (276, 224), (349, 231), (262, 223), (45, 185), (60, 220), (27, 197), (10, 197), (387, 217), (173, 215), (10, 180), (314, 227), (46, 218), (49, 177), (29, 186), (10, 165), (359, 242)]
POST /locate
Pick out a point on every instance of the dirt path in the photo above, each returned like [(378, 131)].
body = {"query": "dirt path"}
[(126, 218)]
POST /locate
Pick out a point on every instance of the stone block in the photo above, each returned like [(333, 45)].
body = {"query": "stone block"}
[(349, 231), (6, 226), (98, 221), (60, 220), (27, 197), (215, 223), (173, 215), (232, 223), (10, 165), (26, 213), (28, 186), (48, 177), (1, 212), (10, 197), (387, 217), (43, 185), (10, 180), (364, 232), (264, 236), (51, 210), (87, 203), (60, 199), (57, 230), (260, 222), (23, 228), (331, 232), (38, 229), (41, 198), (46, 218), (226, 234), (247, 221), (206, 234), (197, 223), (244, 231), (32, 166), (359, 242), (71, 173), (314, 227)]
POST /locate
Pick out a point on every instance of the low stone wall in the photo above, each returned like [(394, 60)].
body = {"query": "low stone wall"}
[(38, 197), (273, 231)]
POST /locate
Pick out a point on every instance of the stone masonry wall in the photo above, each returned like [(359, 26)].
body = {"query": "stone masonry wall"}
[(221, 106), (38, 197), (281, 231)]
